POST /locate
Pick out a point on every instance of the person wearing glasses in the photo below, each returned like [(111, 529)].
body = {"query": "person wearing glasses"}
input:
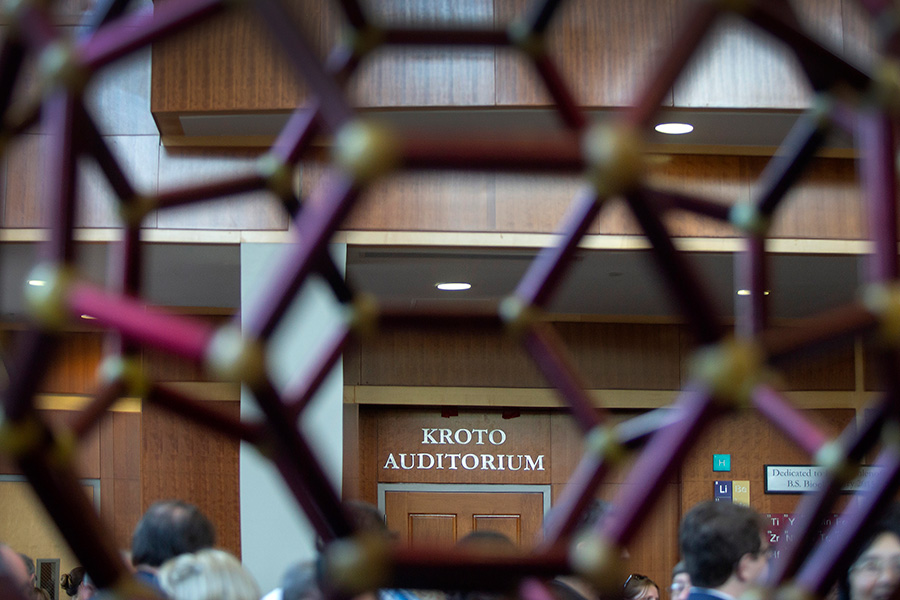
[(681, 582), (875, 573), (724, 548), (640, 587)]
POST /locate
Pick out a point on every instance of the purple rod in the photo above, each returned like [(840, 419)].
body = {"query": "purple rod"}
[(321, 216), (788, 419), (795, 154), (546, 271), (646, 106), (572, 115), (136, 31), (298, 394), (641, 489), (333, 105), (582, 487), (547, 350), (813, 508), (60, 200), (684, 284), (823, 565), (876, 169), (298, 464)]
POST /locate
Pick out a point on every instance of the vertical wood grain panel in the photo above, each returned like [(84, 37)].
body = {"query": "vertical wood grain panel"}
[(120, 477), (232, 63), (255, 210), (465, 358), (715, 178), (182, 460), (535, 203), (825, 203), (606, 356), (426, 201), (624, 356), (741, 67), (351, 360), (415, 76), (27, 192), (74, 370), (350, 466), (605, 51), (830, 368), (368, 447)]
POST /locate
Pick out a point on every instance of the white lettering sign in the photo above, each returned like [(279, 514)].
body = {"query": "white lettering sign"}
[(462, 436), (443, 436), (469, 462)]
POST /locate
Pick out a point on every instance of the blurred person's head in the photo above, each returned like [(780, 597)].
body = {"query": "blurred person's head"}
[(301, 583), (13, 569), (640, 587), (29, 566), (77, 584), (724, 547), (876, 571), (207, 575), (681, 582), (486, 542), (168, 529)]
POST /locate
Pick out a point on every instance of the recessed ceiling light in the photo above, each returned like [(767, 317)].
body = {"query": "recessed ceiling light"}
[(37, 282), (674, 128), (453, 286), (747, 292)]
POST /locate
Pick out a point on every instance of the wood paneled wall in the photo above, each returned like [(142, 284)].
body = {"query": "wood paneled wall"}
[(118, 99), (624, 356), (180, 459), (142, 457), (825, 204), (229, 65), (109, 454), (605, 50)]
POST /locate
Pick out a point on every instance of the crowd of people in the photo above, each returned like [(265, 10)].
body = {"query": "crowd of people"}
[(725, 553)]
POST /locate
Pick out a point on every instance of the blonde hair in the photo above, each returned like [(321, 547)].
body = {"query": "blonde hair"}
[(207, 575)]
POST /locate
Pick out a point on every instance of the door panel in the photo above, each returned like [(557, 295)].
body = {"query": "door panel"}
[(443, 518)]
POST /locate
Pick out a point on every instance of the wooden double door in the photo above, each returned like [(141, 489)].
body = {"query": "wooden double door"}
[(442, 518)]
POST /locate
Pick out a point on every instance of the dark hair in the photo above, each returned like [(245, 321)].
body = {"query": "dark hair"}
[(593, 513), (71, 580), (300, 583), (714, 536), (365, 516), (889, 523), (679, 568), (486, 542), (168, 529), (636, 584)]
